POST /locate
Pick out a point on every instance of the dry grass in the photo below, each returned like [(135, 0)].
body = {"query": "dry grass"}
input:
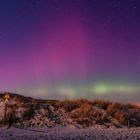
[(82, 111), (70, 105), (101, 104), (85, 112)]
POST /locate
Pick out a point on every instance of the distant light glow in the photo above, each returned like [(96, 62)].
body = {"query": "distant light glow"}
[(108, 88), (77, 91), (100, 88)]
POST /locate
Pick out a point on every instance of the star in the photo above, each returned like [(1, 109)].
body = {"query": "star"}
[(134, 7), (134, 11)]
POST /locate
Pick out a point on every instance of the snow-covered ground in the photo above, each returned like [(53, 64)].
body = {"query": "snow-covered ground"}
[(68, 133)]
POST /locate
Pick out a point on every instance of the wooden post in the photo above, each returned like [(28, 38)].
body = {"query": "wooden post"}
[(5, 110), (128, 123), (6, 98)]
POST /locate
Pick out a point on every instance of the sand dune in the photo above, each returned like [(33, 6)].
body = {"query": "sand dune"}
[(66, 133), (33, 119)]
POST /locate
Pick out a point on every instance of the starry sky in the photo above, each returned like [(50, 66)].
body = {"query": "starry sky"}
[(71, 48)]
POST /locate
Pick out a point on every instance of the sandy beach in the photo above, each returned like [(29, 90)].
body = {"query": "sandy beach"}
[(67, 133)]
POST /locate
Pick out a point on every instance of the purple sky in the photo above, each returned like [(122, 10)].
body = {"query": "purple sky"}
[(54, 41)]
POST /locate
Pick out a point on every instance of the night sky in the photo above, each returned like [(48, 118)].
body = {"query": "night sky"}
[(71, 48)]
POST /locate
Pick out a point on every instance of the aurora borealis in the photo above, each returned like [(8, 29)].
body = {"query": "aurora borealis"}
[(70, 48)]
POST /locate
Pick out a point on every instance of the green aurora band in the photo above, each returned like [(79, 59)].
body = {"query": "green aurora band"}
[(77, 91)]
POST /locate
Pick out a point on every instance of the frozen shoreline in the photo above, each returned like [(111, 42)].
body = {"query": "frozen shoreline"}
[(64, 133)]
